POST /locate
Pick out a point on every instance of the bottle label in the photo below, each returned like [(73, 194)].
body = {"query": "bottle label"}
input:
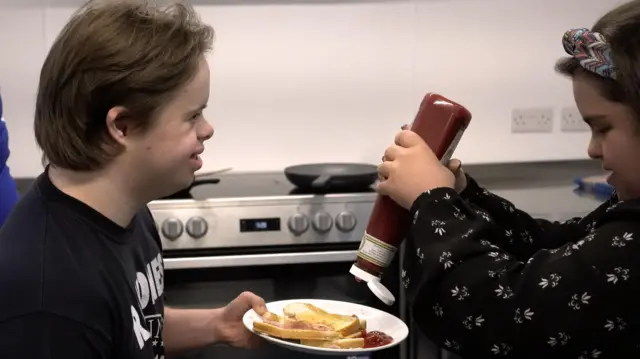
[(452, 147), (376, 251)]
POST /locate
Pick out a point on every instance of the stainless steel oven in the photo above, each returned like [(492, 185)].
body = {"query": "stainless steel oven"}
[(316, 274), (254, 232)]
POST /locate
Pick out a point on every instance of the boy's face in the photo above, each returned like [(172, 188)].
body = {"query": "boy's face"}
[(164, 158)]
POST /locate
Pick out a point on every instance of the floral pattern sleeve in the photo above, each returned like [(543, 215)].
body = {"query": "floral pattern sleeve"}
[(576, 301), (523, 235)]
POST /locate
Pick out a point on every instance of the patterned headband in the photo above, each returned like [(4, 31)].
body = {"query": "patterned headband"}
[(591, 49)]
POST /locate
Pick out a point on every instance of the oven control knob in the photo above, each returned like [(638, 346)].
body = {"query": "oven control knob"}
[(322, 222), (346, 221), (172, 228), (298, 223), (197, 227)]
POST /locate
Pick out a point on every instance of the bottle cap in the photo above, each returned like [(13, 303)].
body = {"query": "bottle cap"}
[(373, 282)]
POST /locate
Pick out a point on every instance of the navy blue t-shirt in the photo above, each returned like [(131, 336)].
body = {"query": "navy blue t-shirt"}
[(76, 285)]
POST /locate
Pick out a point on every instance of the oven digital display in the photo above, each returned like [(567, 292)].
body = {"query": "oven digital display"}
[(260, 225)]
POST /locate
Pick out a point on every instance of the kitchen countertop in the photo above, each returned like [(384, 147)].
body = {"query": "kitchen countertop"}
[(541, 188), (498, 176)]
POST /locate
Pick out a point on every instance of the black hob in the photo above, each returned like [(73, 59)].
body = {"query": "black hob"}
[(251, 184)]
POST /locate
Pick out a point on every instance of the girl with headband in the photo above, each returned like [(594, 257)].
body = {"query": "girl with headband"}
[(485, 279), (8, 192)]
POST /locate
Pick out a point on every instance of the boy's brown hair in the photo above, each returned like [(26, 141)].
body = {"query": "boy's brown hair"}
[(621, 28), (113, 53)]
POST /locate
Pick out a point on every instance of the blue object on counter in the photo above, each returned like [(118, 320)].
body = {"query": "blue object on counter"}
[(595, 186), (8, 191)]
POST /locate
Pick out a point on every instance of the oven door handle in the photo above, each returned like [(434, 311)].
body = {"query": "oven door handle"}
[(248, 260)]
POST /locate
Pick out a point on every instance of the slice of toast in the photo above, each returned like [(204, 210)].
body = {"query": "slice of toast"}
[(286, 328), (347, 343), (346, 325), (358, 334)]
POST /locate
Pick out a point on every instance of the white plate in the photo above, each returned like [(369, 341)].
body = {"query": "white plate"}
[(376, 320)]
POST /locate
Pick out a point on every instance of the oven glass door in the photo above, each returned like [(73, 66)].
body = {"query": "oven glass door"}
[(215, 287)]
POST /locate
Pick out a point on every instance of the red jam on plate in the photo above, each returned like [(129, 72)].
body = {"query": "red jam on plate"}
[(375, 339)]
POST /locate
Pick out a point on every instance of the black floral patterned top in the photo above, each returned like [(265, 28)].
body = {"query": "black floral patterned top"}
[(485, 279)]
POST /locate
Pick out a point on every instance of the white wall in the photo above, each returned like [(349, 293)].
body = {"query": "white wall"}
[(333, 81)]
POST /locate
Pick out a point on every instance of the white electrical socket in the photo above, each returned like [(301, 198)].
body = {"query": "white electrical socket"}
[(532, 120), (571, 121)]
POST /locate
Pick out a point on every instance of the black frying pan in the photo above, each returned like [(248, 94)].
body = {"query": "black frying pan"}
[(332, 177), (186, 192), (200, 179)]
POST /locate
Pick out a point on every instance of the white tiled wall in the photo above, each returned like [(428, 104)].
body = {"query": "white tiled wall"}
[(332, 81)]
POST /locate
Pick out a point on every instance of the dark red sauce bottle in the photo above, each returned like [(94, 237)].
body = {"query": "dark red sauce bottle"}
[(441, 123)]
